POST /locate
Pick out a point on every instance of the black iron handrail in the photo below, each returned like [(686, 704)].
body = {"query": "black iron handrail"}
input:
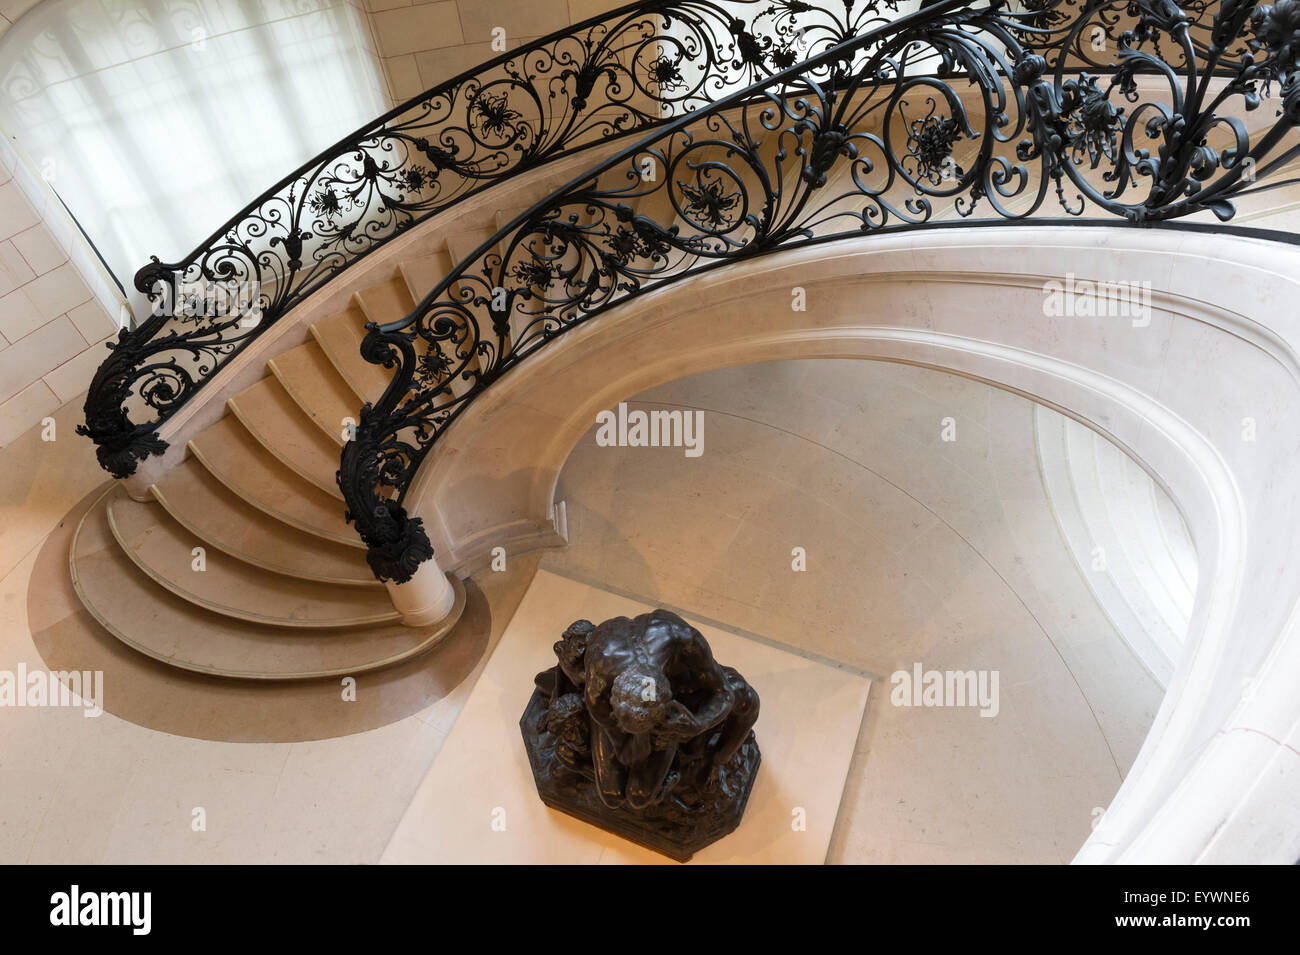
[(957, 111), (610, 76)]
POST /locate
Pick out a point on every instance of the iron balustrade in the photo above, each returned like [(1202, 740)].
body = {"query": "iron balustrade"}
[(615, 75), (960, 112)]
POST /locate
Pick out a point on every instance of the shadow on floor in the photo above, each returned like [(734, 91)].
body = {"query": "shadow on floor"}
[(148, 693)]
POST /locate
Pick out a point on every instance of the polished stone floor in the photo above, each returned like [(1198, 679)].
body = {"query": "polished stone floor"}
[(917, 550), (475, 810)]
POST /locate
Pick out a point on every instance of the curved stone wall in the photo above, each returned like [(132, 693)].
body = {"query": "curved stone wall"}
[(1126, 536), (881, 516), (1202, 391)]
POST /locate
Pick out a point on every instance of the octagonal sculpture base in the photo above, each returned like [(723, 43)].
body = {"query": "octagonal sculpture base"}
[(675, 832)]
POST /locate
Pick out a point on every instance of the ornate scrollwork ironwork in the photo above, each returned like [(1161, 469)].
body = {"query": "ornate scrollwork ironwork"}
[(630, 70), (1129, 109)]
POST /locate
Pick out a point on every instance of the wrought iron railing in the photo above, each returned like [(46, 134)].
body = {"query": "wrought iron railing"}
[(1133, 110), (627, 71)]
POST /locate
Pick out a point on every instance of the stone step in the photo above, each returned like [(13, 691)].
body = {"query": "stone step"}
[(317, 388), (164, 550), (340, 337), (220, 518), (155, 622), (387, 302), (276, 421), (238, 461)]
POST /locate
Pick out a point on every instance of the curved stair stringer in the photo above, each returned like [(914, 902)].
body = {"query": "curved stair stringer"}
[(248, 488), (381, 266), (1172, 392), (248, 484)]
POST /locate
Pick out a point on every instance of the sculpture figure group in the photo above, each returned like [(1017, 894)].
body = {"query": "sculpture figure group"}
[(638, 712)]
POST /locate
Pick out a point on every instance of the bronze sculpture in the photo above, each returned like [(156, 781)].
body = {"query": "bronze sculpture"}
[(638, 730)]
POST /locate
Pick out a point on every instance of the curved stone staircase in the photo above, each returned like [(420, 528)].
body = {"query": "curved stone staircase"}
[(280, 589), (284, 591), (241, 563)]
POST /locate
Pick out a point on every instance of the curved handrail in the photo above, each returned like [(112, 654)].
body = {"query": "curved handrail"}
[(951, 111), (609, 76)]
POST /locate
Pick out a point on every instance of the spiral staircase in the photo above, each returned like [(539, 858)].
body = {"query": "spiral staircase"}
[(282, 590), (271, 514), (237, 558)]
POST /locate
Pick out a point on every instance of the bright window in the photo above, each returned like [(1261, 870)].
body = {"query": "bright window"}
[(158, 120)]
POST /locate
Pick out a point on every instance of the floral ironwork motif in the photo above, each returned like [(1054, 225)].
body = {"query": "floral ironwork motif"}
[(628, 71), (786, 123), (711, 203), (930, 142), (957, 112), (665, 73), (493, 116)]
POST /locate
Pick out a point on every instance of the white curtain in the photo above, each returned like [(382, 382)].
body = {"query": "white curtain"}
[(158, 120)]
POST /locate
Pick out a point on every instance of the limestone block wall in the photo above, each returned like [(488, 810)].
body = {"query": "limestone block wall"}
[(54, 303), (58, 305), (423, 43)]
